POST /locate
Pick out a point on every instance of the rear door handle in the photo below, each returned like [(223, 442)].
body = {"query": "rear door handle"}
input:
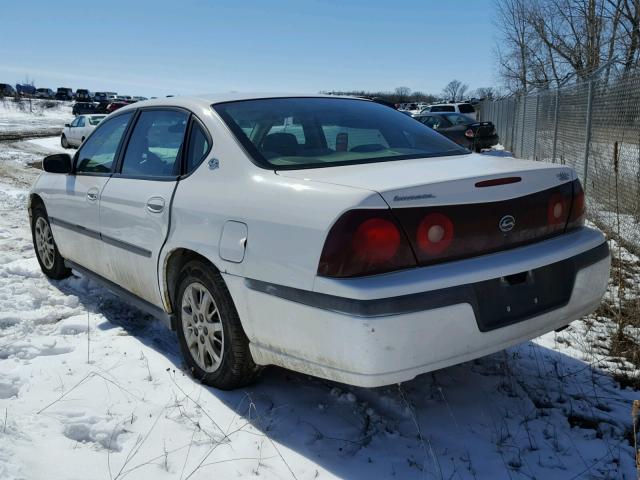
[(92, 194), (155, 204)]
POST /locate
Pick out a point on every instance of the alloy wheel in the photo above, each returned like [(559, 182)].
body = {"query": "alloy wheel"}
[(202, 327), (44, 243)]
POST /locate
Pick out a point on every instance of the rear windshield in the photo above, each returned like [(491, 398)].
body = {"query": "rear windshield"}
[(295, 133), (443, 108), (466, 108)]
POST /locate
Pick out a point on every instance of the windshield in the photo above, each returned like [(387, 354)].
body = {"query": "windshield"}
[(295, 133)]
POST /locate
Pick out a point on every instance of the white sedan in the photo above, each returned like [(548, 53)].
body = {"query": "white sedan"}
[(74, 133), (330, 235)]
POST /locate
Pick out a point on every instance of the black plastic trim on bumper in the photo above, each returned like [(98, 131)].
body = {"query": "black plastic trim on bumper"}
[(416, 302)]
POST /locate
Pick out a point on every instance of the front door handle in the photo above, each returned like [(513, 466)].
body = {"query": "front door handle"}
[(155, 204)]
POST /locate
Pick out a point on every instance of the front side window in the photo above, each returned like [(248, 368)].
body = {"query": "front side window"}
[(97, 154), (155, 144), (294, 133), (75, 122), (80, 122)]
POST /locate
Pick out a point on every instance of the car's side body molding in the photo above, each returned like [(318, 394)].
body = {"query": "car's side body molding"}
[(147, 307), (94, 234)]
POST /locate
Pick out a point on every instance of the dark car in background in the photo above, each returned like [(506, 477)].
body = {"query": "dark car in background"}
[(80, 108), (461, 129), (64, 93), (25, 90), (7, 90), (46, 93), (113, 106), (83, 95)]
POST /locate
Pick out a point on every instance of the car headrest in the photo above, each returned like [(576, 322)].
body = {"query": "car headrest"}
[(284, 144)]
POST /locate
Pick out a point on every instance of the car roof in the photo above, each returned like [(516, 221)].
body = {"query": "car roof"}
[(210, 99)]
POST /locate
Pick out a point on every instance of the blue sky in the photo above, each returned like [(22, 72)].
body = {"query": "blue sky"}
[(144, 47)]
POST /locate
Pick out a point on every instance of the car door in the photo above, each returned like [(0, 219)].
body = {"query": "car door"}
[(135, 205), (73, 201), (71, 131), (79, 130)]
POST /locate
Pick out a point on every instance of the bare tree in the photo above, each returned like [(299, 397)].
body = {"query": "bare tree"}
[(455, 90), (402, 94), (485, 92)]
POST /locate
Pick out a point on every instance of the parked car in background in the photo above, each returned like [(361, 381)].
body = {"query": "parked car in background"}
[(80, 108), (113, 106), (44, 93), (7, 90), (461, 107), (333, 236), (25, 90), (461, 129), (83, 95), (64, 93), (123, 98), (138, 98), (74, 133)]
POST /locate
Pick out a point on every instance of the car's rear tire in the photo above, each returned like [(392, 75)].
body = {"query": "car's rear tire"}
[(49, 258), (64, 142), (210, 334)]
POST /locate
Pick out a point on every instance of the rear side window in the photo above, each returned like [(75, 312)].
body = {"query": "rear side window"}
[(443, 108), (466, 108), (198, 147), (98, 152), (155, 144)]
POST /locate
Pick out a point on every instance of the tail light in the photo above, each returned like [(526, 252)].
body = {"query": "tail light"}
[(469, 133), (576, 216), (557, 209), (434, 234), (364, 242)]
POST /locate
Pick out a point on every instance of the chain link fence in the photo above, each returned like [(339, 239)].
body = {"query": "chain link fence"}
[(593, 127)]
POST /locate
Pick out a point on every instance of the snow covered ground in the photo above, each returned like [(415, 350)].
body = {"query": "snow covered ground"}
[(33, 116), (91, 388)]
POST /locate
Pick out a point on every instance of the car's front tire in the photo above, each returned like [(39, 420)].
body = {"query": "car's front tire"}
[(64, 142), (49, 258), (210, 334)]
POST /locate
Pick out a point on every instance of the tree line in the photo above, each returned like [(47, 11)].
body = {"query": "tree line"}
[(546, 43)]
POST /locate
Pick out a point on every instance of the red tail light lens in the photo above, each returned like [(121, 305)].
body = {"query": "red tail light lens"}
[(576, 217), (365, 242), (469, 133), (434, 234)]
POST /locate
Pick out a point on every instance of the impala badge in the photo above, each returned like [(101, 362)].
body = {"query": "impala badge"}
[(507, 223)]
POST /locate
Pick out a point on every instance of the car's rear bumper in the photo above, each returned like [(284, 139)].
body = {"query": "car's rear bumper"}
[(367, 337)]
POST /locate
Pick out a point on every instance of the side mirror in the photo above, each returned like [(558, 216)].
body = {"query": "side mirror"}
[(58, 163), (67, 124)]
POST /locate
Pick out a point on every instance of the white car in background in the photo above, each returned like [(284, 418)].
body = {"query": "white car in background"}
[(459, 107), (330, 235), (74, 133)]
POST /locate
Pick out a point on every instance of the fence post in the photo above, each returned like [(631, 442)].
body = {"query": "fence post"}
[(555, 125), (535, 127), (587, 141), (524, 113), (512, 140)]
